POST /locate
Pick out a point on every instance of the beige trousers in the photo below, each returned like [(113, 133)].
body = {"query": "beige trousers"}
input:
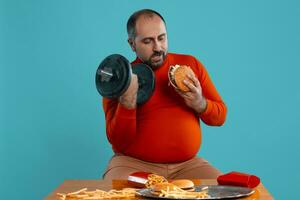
[(121, 166)]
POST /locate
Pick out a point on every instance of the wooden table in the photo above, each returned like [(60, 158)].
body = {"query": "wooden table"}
[(261, 192)]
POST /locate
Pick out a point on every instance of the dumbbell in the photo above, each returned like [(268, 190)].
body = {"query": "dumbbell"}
[(113, 77)]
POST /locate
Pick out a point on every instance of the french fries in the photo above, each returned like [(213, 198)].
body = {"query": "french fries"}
[(181, 194), (154, 179), (83, 194)]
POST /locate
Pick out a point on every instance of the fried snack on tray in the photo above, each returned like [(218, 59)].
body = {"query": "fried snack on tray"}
[(153, 179), (158, 186), (83, 194), (169, 190), (184, 194)]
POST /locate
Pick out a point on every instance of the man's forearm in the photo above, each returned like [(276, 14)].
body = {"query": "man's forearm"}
[(121, 127), (201, 106), (127, 101), (214, 114)]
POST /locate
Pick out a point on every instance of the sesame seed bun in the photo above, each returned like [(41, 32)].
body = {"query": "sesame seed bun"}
[(157, 188), (184, 184), (163, 186), (177, 74)]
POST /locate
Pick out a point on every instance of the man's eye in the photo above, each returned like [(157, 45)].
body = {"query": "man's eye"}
[(161, 38), (147, 41)]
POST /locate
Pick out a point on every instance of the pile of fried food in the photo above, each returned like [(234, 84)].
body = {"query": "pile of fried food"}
[(177, 189), (157, 185), (83, 194)]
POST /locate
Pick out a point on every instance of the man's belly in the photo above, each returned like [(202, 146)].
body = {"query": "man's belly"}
[(166, 136)]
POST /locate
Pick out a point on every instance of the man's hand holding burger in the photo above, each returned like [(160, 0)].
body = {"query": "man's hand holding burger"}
[(193, 98), (188, 87), (128, 99)]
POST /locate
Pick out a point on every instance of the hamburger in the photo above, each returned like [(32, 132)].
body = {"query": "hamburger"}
[(184, 184), (159, 187), (177, 74)]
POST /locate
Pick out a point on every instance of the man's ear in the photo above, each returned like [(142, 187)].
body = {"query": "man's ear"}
[(131, 43)]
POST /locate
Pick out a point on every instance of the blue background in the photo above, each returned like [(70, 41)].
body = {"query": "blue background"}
[(52, 122)]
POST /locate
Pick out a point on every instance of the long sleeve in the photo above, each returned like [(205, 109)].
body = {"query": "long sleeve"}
[(120, 124), (215, 113)]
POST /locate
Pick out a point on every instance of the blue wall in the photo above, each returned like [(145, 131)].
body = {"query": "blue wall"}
[(52, 123)]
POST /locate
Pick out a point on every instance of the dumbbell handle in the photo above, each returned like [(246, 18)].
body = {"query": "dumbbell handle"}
[(106, 73)]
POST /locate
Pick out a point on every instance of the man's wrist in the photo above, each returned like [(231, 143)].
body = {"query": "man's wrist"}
[(202, 106), (128, 102)]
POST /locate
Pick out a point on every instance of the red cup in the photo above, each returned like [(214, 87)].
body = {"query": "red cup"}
[(239, 179)]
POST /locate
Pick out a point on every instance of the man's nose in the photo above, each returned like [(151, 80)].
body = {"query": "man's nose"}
[(157, 46)]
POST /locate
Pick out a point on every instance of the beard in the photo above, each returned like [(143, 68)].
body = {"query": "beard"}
[(156, 59)]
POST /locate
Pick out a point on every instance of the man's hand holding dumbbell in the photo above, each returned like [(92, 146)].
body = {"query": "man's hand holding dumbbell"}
[(128, 99)]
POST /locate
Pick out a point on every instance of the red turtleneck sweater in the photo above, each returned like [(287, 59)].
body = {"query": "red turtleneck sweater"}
[(164, 129)]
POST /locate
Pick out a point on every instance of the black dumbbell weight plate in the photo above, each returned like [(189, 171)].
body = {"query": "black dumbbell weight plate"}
[(146, 81), (113, 76)]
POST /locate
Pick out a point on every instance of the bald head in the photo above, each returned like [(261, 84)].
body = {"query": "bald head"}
[(145, 13)]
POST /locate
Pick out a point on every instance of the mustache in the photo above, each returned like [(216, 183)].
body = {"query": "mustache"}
[(157, 53)]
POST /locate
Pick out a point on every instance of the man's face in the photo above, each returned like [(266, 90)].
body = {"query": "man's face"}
[(150, 42)]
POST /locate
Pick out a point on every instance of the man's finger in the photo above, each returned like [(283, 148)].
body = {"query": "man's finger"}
[(195, 80), (190, 85)]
